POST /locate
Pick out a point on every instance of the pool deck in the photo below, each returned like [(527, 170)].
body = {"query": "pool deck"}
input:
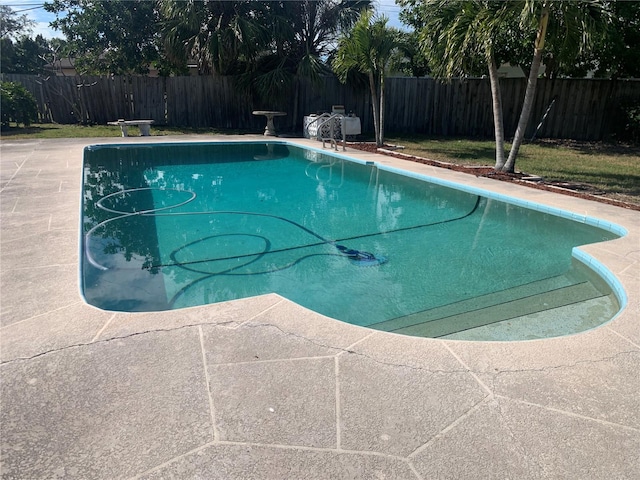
[(262, 388)]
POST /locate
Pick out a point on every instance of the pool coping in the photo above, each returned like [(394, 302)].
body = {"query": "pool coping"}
[(345, 398)]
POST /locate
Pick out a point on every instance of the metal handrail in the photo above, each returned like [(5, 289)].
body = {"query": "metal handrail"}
[(324, 115), (332, 138), (318, 134)]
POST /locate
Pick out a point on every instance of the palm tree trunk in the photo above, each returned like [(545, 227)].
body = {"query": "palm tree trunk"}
[(380, 138), (529, 95), (374, 106), (296, 98), (498, 118)]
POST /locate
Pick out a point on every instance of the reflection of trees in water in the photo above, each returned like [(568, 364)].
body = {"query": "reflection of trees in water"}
[(114, 169), (134, 235)]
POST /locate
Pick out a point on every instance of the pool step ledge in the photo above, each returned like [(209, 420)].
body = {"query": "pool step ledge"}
[(497, 307)]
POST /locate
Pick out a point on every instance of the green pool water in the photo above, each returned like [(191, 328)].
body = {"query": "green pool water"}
[(178, 225)]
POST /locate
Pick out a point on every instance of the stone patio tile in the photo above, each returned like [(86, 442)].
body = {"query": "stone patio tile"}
[(12, 154), (250, 343), (494, 357), (291, 317), (627, 323), (41, 186), (631, 273), (17, 226), (50, 164), (66, 222), (608, 389), (481, 445), (9, 168), (395, 409), (566, 446), (57, 203), (287, 402), (57, 247), (614, 256), (629, 326), (257, 462), (633, 254), (5, 180), (72, 325), (11, 160), (14, 151), (232, 313), (505, 439), (7, 205), (32, 291), (424, 353), (107, 410), (623, 247)]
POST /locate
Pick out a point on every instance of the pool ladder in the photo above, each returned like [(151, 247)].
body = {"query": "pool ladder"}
[(334, 121)]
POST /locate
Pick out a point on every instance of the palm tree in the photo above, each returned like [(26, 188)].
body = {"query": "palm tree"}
[(267, 46), (368, 49), (569, 24), (456, 34), (223, 37), (303, 35)]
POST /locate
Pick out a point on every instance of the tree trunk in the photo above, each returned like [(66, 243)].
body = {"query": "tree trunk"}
[(380, 136), (296, 98), (530, 93), (498, 118), (374, 105)]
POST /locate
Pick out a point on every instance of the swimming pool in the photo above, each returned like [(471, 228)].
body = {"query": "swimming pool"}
[(177, 225)]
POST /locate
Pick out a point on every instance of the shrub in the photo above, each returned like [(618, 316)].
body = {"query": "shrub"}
[(632, 122), (18, 105)]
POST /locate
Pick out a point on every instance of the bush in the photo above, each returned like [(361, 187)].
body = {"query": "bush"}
[(18, 105), (632, 122)]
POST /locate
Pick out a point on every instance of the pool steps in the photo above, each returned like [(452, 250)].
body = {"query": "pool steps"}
[(533, 298)]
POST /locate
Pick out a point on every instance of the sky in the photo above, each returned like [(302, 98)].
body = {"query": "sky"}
[(391, 10), (33, 9)]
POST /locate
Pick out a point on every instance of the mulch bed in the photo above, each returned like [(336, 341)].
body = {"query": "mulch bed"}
[(574, 189)]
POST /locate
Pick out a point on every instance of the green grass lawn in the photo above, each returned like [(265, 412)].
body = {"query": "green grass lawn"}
[(54, 130), (612, 168)]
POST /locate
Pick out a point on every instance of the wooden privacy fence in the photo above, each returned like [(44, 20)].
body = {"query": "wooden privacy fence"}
[(581, 109)]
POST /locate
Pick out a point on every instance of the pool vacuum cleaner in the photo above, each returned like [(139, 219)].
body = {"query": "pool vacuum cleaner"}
[(364, 259)]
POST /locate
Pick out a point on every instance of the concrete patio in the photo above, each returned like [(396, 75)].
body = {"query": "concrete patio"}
[(262, 388)]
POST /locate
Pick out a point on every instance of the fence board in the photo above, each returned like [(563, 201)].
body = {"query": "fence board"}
[(585, 109)]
